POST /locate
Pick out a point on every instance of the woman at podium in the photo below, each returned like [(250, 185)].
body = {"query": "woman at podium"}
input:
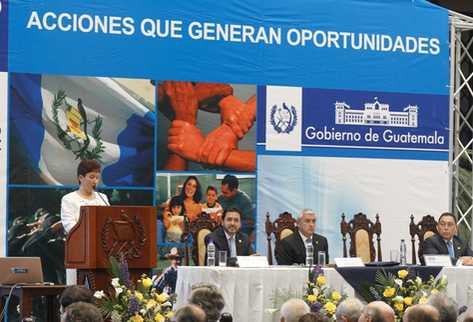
[(88, 175)]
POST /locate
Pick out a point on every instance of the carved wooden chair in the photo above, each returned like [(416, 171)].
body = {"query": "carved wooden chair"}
[(282, 227), (423, 230), (199, 229), (361, 230)]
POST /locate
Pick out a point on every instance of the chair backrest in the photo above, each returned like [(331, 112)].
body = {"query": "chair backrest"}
[(423, 230), (282, 227), (200, 228), (361, 230)]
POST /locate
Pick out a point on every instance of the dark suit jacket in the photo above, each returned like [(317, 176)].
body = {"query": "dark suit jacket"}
[(243, 245), (291, 250), (435, 245)]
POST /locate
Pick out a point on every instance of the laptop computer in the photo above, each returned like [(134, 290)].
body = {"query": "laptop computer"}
[(20, 270)]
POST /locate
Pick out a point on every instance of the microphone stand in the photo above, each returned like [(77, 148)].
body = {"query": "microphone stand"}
[(101, 198)]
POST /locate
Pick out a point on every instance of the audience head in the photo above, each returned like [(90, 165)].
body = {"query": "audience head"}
[(231, 221), (190, 313), (446, 307), (209, 298), (421, 313), (467, 316), (447, 225), (292, 310), (75, 293), (377, 311), (349, 310), (314, 317), (229, 186), (306, 222), (81, 312)]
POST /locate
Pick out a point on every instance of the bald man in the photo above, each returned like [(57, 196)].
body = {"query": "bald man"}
[(377, 311), (421, 313)]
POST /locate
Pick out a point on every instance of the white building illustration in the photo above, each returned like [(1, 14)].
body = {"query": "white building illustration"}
[(375, 113)]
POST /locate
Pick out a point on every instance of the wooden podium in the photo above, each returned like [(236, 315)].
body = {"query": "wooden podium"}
[(110, 231)]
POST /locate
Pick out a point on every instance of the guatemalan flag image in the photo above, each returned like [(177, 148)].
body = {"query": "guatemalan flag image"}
[(57, 121)]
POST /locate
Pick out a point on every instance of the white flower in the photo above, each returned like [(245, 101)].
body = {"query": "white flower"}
[(118, 290), (315, 291), (99, 294), (398, 299), (398, 281), (418, 280), (115, 282)]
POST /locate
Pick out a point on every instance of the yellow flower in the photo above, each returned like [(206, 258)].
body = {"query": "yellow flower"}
[(147, 282), (161, 298), (399, 306), (330, 308), (139, 296), (434, 291), (423, 300), (408, 301), (402, 273), (169, 315), (136, 318), (159, 318), (321, 280), (311, 298), (336, 296), (151, 303), (389, 292)]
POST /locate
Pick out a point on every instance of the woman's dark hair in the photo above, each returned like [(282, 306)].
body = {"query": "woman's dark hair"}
[(176, 201), (198, 190), (86, 166)]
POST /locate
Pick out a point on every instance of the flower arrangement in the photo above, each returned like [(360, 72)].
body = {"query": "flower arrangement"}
[(133, 303), (319, 297), (401, 291)]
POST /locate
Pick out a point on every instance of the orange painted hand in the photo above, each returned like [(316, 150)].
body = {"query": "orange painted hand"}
[(218, 145), (185, 139), (205, 91), (183, 100), (237, 115)]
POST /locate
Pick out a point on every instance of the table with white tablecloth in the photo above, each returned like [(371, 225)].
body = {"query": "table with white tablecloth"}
[(250, 293)]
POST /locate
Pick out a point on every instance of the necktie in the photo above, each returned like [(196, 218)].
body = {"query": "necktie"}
[(451, 251), (233, 252)]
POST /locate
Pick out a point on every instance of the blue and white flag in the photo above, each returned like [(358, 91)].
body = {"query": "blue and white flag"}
[(61, 120)]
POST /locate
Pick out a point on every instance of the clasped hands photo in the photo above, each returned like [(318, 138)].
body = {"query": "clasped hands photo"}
[(182, 102)]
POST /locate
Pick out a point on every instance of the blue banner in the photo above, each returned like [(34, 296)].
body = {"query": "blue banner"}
[(3, 35), (362, 45)]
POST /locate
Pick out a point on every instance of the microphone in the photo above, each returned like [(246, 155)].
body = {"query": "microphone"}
[(100, 195)]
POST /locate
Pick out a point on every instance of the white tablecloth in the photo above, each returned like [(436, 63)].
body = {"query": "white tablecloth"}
[(459, 280), (249, 292)]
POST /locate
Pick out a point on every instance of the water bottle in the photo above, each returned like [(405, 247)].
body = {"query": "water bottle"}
[(309, 254), (211, 254), (402, 252)]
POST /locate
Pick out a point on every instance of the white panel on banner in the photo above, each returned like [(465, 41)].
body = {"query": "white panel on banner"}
[(330, 186), (284, 118), (3, 161)]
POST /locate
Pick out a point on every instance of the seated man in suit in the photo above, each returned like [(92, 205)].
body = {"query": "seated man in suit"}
[(291, 250), (228, 237), (446, 243)]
